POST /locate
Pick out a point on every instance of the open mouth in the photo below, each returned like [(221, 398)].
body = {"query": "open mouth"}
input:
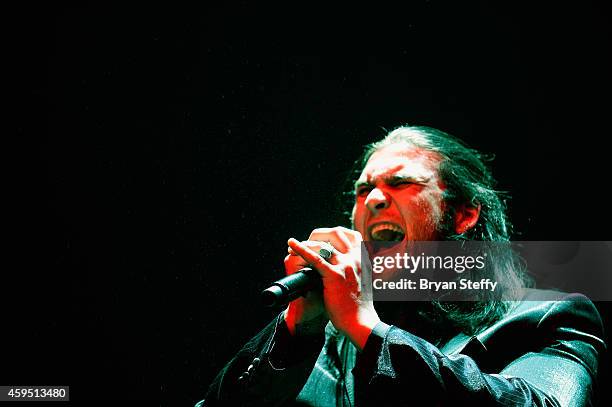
[(386, 232)]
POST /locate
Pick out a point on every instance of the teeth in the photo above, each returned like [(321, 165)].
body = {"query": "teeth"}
[(386, 226), (387, 232)]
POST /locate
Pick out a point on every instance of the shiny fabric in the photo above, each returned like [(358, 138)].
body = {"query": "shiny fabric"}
[(542, 353)]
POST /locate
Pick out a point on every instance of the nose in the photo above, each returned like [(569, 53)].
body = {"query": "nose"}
[(377, 200)]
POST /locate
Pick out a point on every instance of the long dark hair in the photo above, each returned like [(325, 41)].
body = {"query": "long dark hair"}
[(468, 181)]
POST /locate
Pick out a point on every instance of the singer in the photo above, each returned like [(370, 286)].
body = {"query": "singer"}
[(334, 348)]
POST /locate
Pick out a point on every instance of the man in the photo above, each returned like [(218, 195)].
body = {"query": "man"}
[(335, 347)]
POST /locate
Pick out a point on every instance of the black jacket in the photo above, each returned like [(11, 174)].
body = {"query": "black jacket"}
[(542, 353)]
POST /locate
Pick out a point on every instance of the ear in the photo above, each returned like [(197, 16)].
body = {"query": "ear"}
[(466, 217)]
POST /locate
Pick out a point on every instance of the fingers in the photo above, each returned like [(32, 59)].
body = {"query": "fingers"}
[(345, 242), (341, 238), (352, 278), (294, 262), (315, 246), (311, 257)]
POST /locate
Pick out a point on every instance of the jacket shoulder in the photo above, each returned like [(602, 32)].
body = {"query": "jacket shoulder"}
[(543, 321), (540, 307)]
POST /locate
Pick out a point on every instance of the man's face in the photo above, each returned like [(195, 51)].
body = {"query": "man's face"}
[(399, 195)]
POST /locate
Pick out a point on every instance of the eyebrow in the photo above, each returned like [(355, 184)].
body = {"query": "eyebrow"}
[(390, 179)]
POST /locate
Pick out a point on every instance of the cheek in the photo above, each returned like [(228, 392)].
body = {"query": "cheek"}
[(357, 217), (425, 208), (435, 206)]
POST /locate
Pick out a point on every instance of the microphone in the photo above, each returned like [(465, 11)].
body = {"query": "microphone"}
[(288, 288)]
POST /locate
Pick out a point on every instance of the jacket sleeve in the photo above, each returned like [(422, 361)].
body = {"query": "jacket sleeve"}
[(559, 368), (269, 370)]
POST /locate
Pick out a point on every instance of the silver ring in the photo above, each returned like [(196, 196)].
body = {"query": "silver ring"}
[(326, 251)]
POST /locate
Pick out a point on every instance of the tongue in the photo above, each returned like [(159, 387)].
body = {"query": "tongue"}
[(389, 235)]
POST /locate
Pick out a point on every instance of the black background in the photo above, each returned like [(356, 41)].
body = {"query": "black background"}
[(178, 149)]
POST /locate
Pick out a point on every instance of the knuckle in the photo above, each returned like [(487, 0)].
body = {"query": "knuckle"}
[(318, 260), (316, 231), (311, 243), (339, 273), (357, 235), (322, 233)]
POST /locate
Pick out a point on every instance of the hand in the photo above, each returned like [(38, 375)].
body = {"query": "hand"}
[(341, 299), (308, 311)]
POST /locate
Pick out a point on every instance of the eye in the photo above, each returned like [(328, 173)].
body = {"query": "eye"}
[(363, 191), (401, 183)]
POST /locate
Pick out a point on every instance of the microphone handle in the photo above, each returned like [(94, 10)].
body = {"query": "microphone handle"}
[(288, 288)]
